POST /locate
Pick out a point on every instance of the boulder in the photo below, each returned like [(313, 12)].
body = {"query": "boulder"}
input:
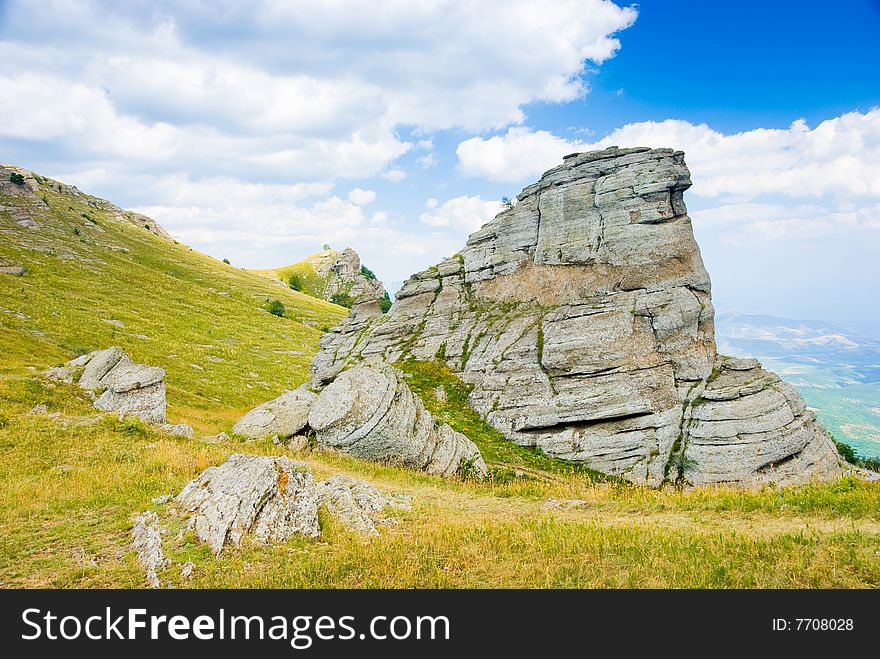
[(582, 317), (179, 430), (284, 416), (128, 388), (269, 498), (372, 414)]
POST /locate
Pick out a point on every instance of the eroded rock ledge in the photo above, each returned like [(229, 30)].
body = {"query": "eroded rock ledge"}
[(583, 318)]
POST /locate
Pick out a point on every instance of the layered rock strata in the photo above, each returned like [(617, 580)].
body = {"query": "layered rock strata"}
[(372, 414), (369, 413), (582, 316)]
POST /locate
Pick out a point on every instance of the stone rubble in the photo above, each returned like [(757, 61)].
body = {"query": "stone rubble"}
[(146, 540), (357, 504)]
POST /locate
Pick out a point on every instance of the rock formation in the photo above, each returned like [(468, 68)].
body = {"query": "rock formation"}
[(267, 497), (128, 388), (146, 540), (284, 416), (583, 317), (339, 277), (372, 414)]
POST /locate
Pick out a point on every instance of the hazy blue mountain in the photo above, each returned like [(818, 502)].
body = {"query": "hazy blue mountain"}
[(836, 371)]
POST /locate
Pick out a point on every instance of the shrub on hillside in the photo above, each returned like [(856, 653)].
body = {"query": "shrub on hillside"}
[(385, 302), (226, 261), (342, 299), (369, 274), (16, 178), (276, 308), (296, 282)]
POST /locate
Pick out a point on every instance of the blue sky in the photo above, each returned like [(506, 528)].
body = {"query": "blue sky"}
[(258, 131)]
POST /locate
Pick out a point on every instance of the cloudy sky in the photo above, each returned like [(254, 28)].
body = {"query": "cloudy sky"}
[(257, 131)]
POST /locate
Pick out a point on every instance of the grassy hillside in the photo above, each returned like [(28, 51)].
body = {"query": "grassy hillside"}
[(72, 479), (95, 280), (71, 485)]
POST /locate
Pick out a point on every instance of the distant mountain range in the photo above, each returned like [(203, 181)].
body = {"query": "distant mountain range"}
[(837, 371)]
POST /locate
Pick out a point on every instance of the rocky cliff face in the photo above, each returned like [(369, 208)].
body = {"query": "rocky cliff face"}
[(584, 320)]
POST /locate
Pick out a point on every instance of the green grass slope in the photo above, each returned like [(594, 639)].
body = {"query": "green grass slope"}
[(96, 277), (73, 481)]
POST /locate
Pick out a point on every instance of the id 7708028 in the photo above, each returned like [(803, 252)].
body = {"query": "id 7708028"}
[(812, 624)]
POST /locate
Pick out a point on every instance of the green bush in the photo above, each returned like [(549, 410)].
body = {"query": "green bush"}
[(296, 282), (369, 274), (276, 308), (385, 302), (226, 261), (16, 178), (342, 299)]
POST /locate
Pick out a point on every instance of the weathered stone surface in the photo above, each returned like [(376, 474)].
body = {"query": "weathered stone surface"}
[(146, 540), (357, 504), (128, 388), (583, 319), (371, 413), (284, 416), (269, 498), (747, 427), (179, 430), (97, 366)]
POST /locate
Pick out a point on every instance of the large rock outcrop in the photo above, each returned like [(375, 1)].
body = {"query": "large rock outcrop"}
[(128, 388), (583, 317), (372, 414)]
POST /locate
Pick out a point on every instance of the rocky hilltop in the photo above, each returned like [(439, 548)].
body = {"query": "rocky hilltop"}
[(25, 187), (335, 276), (583, 318)]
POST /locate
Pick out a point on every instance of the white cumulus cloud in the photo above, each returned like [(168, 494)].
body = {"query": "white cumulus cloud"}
[(361, 197), (518, 155), (465, 213)]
